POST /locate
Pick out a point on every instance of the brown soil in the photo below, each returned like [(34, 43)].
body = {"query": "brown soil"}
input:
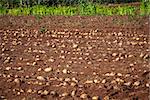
[(73, 58)]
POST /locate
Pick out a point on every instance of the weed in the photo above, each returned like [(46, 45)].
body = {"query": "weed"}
[(42, 29), (84, 8)]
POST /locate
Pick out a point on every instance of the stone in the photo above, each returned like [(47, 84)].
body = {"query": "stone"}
[(73, 93)]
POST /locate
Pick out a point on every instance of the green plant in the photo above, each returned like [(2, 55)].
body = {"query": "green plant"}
[(42, 29)]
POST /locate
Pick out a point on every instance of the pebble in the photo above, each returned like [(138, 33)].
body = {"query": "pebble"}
[(41, 78), (48, 69), (84, 96)]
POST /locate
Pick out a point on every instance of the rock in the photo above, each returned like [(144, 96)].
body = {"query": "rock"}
[(48, 69), (41, 78), (137, 83), (84, 96)]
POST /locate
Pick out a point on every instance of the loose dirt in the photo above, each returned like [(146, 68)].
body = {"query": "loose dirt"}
[(74, 58)]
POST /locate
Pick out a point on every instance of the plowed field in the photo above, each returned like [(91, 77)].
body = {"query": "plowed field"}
[(74, 58)]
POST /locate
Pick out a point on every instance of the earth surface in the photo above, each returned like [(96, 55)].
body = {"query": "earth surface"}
[(74, 58)]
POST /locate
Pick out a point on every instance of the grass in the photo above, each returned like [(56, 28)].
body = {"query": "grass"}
[(82, 9)]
